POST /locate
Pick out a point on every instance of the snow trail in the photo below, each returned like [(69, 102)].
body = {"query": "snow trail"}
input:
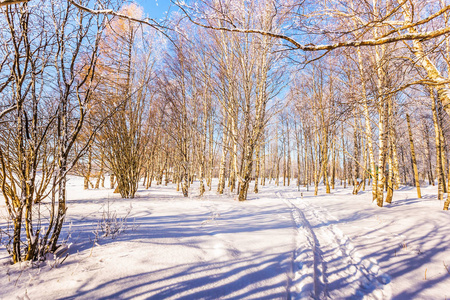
[(327, 265)]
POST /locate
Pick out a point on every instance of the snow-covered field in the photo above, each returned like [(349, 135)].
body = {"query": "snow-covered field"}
[(279, 244)]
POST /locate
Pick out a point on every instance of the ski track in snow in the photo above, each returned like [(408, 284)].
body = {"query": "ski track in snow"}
[(326, 264)]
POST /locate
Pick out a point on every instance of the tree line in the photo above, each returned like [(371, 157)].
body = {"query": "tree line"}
[(348, 93)]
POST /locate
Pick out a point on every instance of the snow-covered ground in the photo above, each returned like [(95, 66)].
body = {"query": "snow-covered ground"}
[(279, 244)]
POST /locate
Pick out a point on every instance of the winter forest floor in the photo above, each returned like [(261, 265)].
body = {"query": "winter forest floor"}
[(279, 244)]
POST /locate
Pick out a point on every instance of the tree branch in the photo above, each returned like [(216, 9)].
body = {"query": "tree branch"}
[(352, 43), (11, 2), (147, 21), (9, 109)]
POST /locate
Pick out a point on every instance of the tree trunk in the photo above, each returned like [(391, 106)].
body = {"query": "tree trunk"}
[(413, 158), (437, 132), (100, 173), (225, 140), (263, 173), (390, 186), (368, 128), (333, 166), (257, 170), (87, 176)]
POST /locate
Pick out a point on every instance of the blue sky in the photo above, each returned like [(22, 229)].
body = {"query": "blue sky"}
[(155, 8)]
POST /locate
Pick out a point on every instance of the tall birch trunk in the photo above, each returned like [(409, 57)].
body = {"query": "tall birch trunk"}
[(413, 158), (437, 132), (368, 129), (257, 169), (428, 153), (390, 185), (333, 161)]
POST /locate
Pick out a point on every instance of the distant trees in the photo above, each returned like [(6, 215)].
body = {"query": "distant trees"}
[(237, 45), (218, 70), (178, 92), (249, 79), (366, 89)]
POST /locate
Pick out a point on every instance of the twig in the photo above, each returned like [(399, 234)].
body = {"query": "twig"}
[(92, 249), (67, 255), (15, 284)]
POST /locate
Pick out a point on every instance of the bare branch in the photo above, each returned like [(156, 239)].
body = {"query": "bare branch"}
[(109, 12), (352, 43), (147, 21), (11, 2), (9, 109)]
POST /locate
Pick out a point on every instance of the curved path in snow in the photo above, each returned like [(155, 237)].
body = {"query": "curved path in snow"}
[(326, 264)]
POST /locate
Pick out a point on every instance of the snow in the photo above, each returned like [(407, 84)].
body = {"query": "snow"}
[(280, 244)]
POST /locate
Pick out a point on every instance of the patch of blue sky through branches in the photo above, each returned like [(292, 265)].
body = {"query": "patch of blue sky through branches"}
[(156, 9)]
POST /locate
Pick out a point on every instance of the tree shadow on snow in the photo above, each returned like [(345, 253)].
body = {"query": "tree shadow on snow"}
[(240, 278)]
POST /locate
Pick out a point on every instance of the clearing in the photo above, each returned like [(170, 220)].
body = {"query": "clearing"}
[(280, 244)]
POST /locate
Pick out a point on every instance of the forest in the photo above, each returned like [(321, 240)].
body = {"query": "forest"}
[(219, 97)]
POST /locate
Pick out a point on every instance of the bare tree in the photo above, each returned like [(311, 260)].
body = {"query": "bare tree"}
[(50, 91), (126, 71)]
